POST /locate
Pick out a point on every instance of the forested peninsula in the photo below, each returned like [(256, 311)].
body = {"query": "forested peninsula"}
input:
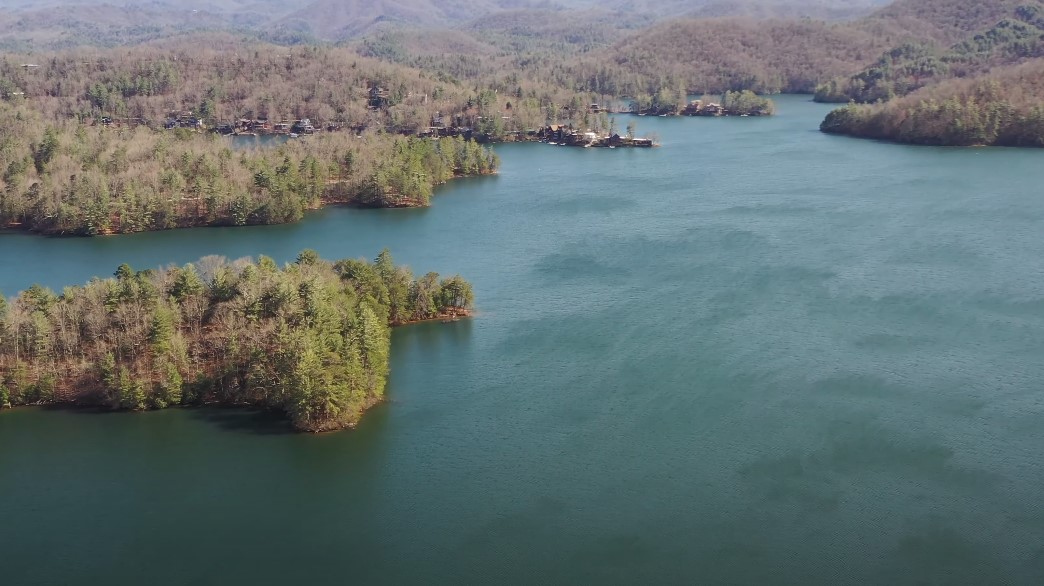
[(310, 339), (75, 179), (1005, 108), (986, 88)]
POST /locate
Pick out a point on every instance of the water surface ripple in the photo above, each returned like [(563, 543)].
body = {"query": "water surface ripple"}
[(757, 355)]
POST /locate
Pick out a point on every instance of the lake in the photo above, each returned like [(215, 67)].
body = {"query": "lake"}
[(756, 355)]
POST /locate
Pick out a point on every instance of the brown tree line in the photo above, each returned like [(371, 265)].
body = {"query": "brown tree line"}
[(223, 79), (71, 178)]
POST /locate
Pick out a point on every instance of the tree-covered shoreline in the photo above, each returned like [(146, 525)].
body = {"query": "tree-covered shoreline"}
[(1005, 108), (67, 178), (310, 339)]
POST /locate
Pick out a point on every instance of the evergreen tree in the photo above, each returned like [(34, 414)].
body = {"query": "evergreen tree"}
[(311, 339)]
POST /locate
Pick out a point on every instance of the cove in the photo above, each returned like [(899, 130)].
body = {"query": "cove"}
[(758, 354)]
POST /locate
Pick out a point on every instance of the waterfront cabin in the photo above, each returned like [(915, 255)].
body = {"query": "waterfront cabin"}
[(693, 108), (379, 97), (711, 109), (303, 126), (188, 120)]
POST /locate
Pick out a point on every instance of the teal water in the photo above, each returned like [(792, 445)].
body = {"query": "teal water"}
[(248, 142), (757, 355)]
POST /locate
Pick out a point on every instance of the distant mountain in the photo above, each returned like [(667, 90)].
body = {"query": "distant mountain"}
[(617, 47), (823, 9), (797, 55), (208, 5), (57, 23), (339, 19), (97, 24), (942, 21), (54, 24), (713, 55), (540, 30), (1015, 34)]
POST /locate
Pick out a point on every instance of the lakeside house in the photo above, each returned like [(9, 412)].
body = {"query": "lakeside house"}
[(698, 108), (441, 125), (379, 97), (110, 121), (187, 120), (564, 134), (303, 126), (259, 126), (569, 136)]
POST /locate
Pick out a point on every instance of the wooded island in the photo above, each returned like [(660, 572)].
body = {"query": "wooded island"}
[(310, 339)]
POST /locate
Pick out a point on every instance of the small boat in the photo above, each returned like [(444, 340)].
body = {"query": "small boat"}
[(612, 147), (294, 135), (553, 143)]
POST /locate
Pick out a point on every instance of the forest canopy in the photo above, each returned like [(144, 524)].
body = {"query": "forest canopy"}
[(903, 69), (70, 178), (310, 339), (1004, 108)]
